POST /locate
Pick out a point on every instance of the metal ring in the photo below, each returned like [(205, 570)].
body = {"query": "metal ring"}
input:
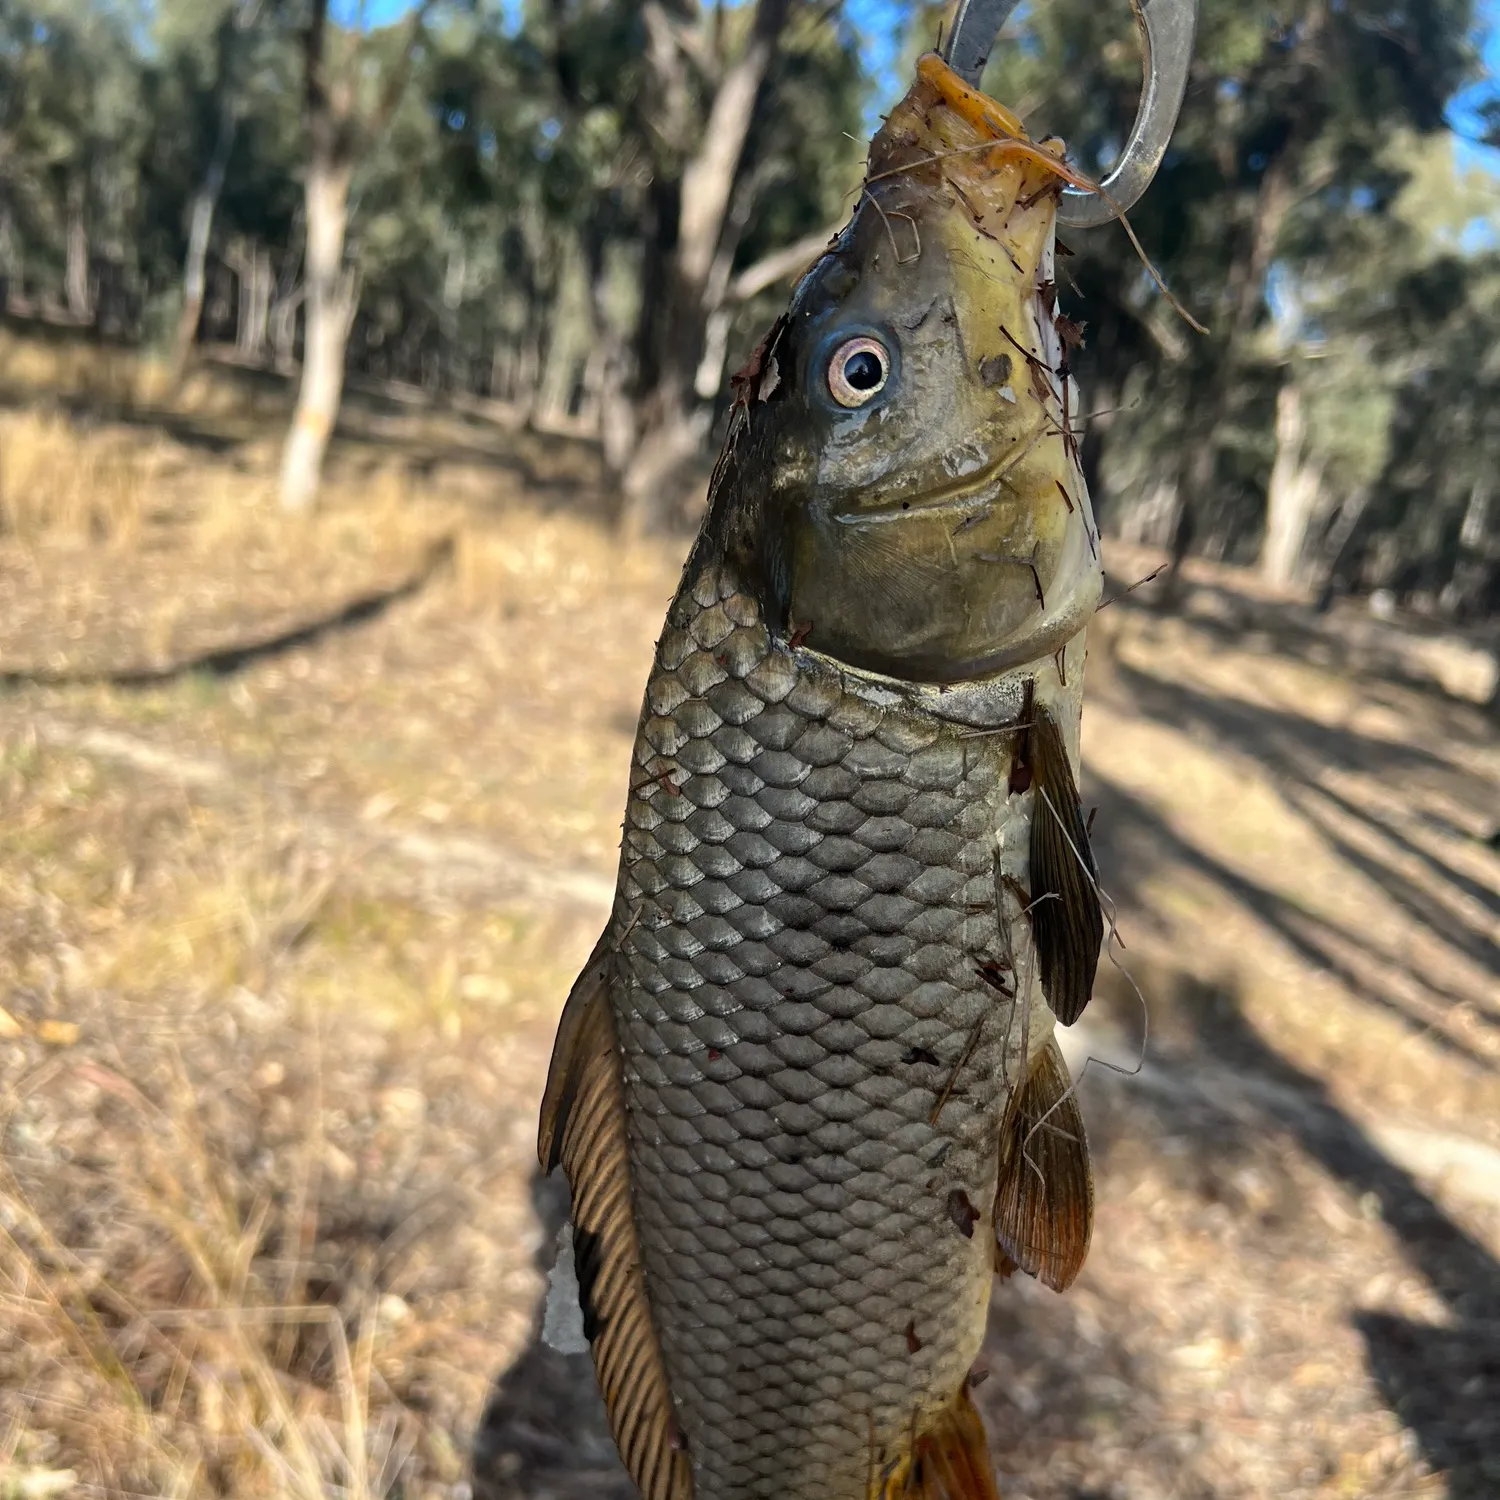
[(976, 26), (1167, 44)]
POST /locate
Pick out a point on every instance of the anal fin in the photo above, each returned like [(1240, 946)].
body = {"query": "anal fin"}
[(583, 1128), (1044, 1209), (1067, 919), (950, 1459)]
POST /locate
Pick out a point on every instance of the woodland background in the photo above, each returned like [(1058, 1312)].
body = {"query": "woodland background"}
[(589, 209), (361, 365)]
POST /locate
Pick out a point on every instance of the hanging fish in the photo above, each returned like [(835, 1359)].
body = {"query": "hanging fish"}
[(806, 1090)]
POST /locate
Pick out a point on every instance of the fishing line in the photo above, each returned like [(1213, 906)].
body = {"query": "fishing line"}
[(1108, 907), (890, 233), (1155, 573)]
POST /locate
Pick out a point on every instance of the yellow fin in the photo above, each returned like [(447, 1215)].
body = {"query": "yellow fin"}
[(950, 1459), (1067, 921), (583, 1127), (1044, 1210)]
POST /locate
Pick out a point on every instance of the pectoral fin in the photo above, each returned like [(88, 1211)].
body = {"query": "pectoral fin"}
[(949, 1460), (1067, 921), (583, 1128), (1044, 1210)]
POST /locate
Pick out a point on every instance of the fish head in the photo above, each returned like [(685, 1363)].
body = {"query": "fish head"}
[(910, 477)]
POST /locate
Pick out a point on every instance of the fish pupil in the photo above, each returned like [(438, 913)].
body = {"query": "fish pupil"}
[(864, 370)]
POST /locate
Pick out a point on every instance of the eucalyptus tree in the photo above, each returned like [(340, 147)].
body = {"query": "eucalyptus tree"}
[(718, 161), (211, 44), (353, 82), (71, 130)]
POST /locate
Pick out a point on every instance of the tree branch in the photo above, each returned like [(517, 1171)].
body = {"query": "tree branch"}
[(315, 90), (780, 265), (400, 74), (668, 121), (709, 176)]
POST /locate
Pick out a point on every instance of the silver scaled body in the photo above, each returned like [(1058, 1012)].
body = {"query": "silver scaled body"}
[(815, 866)]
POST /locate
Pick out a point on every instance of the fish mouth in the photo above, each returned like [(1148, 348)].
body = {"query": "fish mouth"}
[(963, 497)]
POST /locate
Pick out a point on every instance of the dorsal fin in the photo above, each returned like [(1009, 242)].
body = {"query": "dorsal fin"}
[(583, 1128), (1044, 1209), (1067, 921)]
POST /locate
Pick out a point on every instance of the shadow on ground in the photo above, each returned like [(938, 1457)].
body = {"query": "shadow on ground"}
[(544, 1434), (1442, 1380), (1298, 753)]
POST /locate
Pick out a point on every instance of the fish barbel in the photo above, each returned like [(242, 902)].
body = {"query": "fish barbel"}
[(806, 1091)]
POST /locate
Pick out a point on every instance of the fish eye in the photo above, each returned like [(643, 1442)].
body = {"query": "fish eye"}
[(858, 371)]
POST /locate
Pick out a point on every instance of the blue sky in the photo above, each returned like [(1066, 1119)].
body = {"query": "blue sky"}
[(878, 22), (1462, 112), (377, 12)]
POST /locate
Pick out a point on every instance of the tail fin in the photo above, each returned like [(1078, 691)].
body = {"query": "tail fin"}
[(950, 1459)]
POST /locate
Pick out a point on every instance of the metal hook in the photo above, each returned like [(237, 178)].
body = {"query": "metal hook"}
[(1167, 44)]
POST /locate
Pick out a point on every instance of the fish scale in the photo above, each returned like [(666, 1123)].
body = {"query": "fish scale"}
[(799, 914)]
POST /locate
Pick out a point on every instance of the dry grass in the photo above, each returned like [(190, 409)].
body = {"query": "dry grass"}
[(229, 1260), (61, 365), (56, 483), (257, 1237), (217, 1391)]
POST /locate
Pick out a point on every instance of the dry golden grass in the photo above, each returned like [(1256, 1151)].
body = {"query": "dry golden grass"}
[(221, 1271), (51, 362), (60, 364), (56, 482), (221, 1268), (204, 1394)]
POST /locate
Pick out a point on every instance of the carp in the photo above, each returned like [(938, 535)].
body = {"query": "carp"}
[(806, 1090)]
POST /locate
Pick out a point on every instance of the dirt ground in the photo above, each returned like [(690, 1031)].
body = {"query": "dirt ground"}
[(305, 828)]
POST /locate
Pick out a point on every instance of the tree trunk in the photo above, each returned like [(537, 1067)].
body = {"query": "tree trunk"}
[(282, 327), (76, 274), (607, 378), (287, 300), (1337, 546), (568, 345), (1246, 287), (9, 260), (200, 227), (1274, 199), (673, 425), (332, 296), (338, 132), (1292, 494), (256, 285)]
